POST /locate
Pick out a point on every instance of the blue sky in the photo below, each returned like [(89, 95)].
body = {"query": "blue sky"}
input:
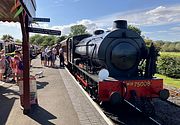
[(158, 19)]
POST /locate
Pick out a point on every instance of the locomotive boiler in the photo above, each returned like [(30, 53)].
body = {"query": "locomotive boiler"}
[(119, 51), (114, 66)]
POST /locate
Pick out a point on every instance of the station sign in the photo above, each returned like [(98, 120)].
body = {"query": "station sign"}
[(44, 31), (41, 19)]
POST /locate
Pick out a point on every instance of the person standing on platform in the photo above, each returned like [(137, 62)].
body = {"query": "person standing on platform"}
[(61, 57), (2, 65), (46, 55), (49, 55), (19, 65), (42, 57), (54, 52)]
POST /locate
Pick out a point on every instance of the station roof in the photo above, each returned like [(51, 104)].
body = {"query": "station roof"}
[(10, 9)]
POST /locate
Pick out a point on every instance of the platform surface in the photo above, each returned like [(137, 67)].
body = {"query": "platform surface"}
[(61, 101)]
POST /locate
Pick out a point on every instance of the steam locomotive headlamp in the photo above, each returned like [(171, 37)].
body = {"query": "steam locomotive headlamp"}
[(103, 74)]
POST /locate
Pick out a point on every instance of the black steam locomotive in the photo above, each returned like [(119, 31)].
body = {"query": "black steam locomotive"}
[(116, 56), (119, 51)]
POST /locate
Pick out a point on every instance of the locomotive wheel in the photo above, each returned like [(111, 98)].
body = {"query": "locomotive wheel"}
[(116, 98)]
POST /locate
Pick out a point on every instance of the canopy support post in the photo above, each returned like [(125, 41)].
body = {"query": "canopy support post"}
[(24, 21)]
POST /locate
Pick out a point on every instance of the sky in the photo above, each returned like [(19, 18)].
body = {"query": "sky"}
[(157, 19)]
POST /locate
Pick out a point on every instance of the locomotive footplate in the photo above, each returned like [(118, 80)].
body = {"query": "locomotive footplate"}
[(149, 88)]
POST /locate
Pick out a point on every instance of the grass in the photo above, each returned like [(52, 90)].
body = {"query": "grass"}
[(169, 81), (170, 53)]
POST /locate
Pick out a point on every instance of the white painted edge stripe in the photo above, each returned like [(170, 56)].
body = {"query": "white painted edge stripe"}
[(108, 121)]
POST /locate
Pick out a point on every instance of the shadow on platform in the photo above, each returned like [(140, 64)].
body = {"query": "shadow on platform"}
[(41, 85), (41, 116), (7, 99), (61, 67), (37, 67)]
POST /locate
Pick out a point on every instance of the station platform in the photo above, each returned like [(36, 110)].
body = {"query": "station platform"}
[(61, 101)]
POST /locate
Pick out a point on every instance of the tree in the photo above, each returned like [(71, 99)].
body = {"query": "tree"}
[(33, 39), (177, 47), (39, 40), (135, 29), (171, 47), (7, 37), (61, 38), (78, 30), (18, 41), (165, 47), (159, 44), (49, 40), (148, 41)]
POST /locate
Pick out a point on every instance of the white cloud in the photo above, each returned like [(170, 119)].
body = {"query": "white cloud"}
[(162, 31), (65, 29), (175, 29), (58, 3), (10, 24), (162, 15), (40, 25), (158, 16), (146, 33), (12, 29)]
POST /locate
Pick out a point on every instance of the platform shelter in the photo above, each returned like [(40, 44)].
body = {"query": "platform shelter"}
[(23, 11)]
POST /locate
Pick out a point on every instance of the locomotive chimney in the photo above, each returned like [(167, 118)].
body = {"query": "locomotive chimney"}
[(120, 24)]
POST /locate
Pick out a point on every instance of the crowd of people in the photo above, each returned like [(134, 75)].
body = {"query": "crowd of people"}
[(49, 56), (11, 68)]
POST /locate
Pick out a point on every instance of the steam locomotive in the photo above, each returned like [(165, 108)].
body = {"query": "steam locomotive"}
[(108, 64)]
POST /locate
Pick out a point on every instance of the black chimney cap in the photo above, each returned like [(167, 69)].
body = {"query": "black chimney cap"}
[(122, 24)]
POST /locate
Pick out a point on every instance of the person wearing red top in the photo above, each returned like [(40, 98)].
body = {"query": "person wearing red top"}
[(2, 65), (17, 60)]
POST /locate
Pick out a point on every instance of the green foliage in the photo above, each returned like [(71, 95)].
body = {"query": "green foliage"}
[(135, 29), (78, 30), (33, 39), (169, 65), (46, 40), (18, 41), (61, 38), (176, 54), (148, 42), (168, 46), (7, 37), (169, 81)]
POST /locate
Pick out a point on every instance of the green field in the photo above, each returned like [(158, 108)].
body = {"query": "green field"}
[(169, 81), (170, 53)]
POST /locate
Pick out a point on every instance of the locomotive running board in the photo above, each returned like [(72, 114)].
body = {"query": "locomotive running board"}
[(156, 122)]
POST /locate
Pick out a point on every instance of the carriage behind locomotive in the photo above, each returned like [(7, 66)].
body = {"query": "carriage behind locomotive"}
[(10, 46), (121, 52)]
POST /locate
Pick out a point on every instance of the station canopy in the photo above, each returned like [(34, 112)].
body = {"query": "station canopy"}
[(10, 9)]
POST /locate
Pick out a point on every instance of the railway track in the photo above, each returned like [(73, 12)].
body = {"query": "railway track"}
[(171, 103), (128, 114), (166, 113)]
